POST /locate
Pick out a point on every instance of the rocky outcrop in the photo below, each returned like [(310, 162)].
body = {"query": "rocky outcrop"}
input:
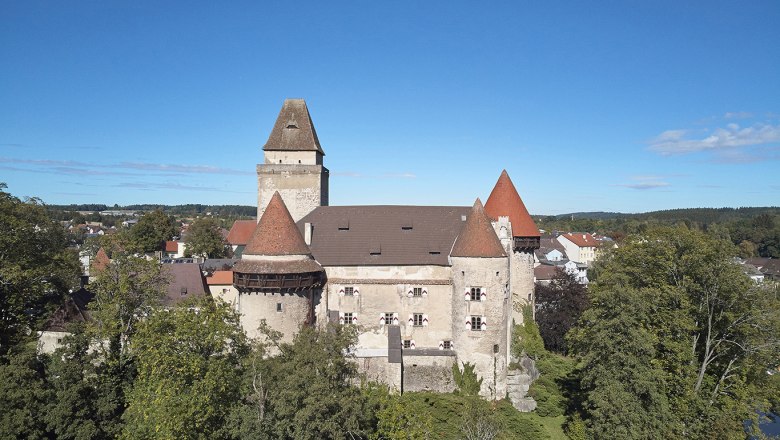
[(519, 380)]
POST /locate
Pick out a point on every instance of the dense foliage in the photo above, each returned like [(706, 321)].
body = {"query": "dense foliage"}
[(559, 306), (152, 230), (204, 237), (36, 268), (677, 338)]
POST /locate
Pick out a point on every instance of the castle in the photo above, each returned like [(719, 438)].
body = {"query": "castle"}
[(428, 286)]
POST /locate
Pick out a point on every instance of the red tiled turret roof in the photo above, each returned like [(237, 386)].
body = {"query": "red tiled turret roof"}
[(276, 233), (241, 232), (505, 201), (477, 238)]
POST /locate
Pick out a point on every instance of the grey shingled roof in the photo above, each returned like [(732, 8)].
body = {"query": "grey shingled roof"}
[(293, 130), (395, 235)]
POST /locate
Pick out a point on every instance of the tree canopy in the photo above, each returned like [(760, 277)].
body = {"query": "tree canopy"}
[(204, 237), (36, 268), (677, 337)]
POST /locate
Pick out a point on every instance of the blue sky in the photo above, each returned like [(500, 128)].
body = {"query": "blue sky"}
[(611, 106)]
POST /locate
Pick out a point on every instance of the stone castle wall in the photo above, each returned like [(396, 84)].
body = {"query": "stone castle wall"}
[(255, 307), (486, 349), (302, 187)]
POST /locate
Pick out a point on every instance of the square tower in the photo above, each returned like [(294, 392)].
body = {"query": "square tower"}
[(293, 163)]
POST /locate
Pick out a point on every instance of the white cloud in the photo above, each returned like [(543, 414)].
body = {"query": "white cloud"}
[(738, 115), (645, 182), (730, 137)]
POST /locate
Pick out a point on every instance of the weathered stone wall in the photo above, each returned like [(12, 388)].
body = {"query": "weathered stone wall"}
[(385, 289), (293, 157), (226, 293), (302, 187), (428, 373), (486, 349), (522, 284), (378, 369), (254, 307)]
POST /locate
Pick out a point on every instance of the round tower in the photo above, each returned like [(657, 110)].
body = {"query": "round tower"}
[(277, 279), (480, 305), (505, 203)]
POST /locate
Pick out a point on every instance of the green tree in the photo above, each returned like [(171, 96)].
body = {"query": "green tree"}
[(23, 394), (189, 372), (204, 238), (308, 390), (36, 268), (468, 383), (525, 337), (71, 413), (558, 307), (676, 334), (152, 230)]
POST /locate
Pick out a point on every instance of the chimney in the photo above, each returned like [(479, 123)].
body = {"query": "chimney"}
[(307, 230)]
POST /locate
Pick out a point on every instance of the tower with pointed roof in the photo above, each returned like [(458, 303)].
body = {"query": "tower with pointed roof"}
[(293, 163), (277, 279), (480, 307), (520, 236)]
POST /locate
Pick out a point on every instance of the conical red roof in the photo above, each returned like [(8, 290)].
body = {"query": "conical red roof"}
[(477, 238), (505, 201), (276, 233)]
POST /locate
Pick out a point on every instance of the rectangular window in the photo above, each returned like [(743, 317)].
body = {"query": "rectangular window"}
[(348, 317), (389, 318), (417, 291), (278, 307), (418, 319), (183, 291), (476, 323), (407, 343), (474, 296), (349, 291), (448, 345)]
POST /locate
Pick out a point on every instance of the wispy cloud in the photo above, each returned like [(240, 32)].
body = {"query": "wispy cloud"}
[(70, 167), (645, 182), (178, 168), (730, 137), (738, 115), (153, 186)]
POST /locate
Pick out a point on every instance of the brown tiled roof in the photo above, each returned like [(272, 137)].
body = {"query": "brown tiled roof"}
[(395, 235), (220, 277), (183, 276), (477, 238), (505, 201), (545, 272), (277, 266), (293, 130), (73, 309), (276, 233), (101, 261), (548, 242), (581, 239), (241, 232), (171, 246)]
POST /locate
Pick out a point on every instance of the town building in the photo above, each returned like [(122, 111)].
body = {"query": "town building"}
[(428, 286)]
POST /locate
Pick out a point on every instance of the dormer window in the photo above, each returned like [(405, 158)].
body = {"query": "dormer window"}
[(344, 225), (183, 291)]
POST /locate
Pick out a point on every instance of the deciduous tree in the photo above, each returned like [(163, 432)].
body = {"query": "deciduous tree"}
[(204, 237), (558, 307)]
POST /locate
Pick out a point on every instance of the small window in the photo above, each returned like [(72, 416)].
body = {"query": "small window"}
[(224, 291), (407, 343), (418, 319), (388, 318), (349, 291), (417, 291), (348, 317), (448, 345), (278, 307), (183, 291), (476, 323), (474, 295)]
